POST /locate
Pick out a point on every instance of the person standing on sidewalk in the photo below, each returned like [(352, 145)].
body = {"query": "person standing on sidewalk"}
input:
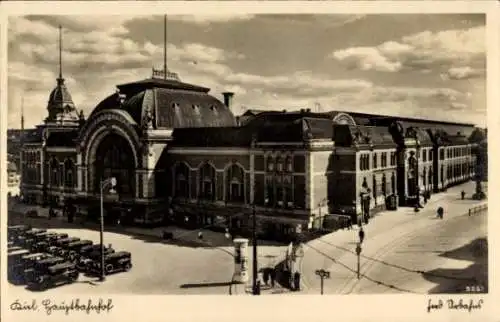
[(296, 279), (361, 235), (273, 276)]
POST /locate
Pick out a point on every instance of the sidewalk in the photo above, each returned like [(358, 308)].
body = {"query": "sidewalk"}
[(336, 251)]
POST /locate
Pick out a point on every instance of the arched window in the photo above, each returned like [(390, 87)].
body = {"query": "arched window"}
[(207, 182), (270, 164), (181, 175), (235, 177), (430, 177), (384, 185), (54, 172), (269, 198), (68, 173), (279, 164), (289, 166)]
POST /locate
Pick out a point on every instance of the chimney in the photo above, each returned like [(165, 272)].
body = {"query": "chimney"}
[(228, 98)]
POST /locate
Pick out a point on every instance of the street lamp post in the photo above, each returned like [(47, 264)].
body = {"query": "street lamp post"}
[(322, 275), (104, 183), (254, 242), (358, 253)]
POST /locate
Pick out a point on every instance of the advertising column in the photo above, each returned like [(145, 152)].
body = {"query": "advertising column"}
[(240, 260)]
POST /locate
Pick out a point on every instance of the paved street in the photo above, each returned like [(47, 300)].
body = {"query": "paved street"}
[(161, 268), (400, 246)]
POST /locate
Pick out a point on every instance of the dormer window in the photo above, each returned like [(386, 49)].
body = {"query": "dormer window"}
[(175, 105), (195, 107)]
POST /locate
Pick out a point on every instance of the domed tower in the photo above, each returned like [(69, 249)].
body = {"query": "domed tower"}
[(61, 107)]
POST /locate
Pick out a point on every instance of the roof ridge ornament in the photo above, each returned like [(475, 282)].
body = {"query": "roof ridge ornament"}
[(162, 74)]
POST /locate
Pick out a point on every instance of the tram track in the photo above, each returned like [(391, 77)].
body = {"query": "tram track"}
[(351, 283)]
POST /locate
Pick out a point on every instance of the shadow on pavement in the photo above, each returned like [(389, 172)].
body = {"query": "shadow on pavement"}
[(473, 278), (184, 238), (216, 284)]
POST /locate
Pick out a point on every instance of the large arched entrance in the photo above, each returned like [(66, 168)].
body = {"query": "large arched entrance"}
[(114, 158)]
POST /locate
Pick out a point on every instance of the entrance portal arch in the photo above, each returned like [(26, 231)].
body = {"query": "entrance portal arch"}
[(112, 154)]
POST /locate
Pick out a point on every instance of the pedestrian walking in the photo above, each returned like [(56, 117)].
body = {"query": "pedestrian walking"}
[(273, 276), (200, 235), (361, 235), (257, 288), (440, 212), (296, 279), (425, 197), (463, 194), (265, 274)]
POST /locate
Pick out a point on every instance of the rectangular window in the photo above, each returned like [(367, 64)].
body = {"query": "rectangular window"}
[(424, 155), (383, 161), (375, 165), (430, 155)]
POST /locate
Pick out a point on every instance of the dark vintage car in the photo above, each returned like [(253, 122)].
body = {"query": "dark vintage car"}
[(41, 266), (26, 262), (11, 249), (40, 247), (15, 265), (53, 238), (34, 231), (30, 237), (13, 232), (66, 241), (89, 254), (115, 262), (72, 250), (55, 275), (54, 250)]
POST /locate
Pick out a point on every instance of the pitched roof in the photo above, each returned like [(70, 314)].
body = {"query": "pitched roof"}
[(349, 135), (173, 104)]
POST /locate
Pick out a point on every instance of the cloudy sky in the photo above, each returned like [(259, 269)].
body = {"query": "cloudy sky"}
[(429, 66)]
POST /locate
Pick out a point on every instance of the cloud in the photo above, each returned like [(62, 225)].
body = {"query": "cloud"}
[(95, 60), (207, 19), (450, 49), (465, 72)]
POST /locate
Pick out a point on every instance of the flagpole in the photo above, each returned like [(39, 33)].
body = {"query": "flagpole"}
[(165, 46)]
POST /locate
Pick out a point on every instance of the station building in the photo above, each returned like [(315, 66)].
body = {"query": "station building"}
[(180, 154)]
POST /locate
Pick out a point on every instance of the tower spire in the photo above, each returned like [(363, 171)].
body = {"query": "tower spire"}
[(60, 52), (165, 46), (22, 121)]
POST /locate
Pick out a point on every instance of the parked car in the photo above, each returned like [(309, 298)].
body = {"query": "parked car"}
[(54, 250), (55, 275), (52, 239), (62, 243), (27, 261), (13, 232), (89, 254), (115, 262), (72, 250), (15, 265), (30, 237), (40, 247), (30, 274), (11, 249)]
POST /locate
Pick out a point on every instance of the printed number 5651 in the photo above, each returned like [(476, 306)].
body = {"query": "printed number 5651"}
[(474, 288)]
